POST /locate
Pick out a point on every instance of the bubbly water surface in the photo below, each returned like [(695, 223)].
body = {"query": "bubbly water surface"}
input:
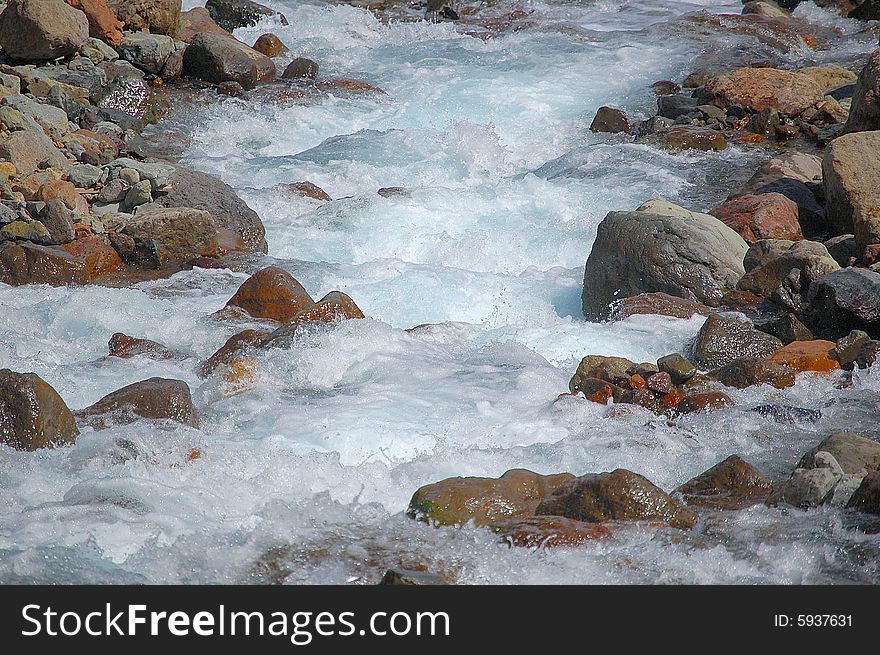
[(303, 476)]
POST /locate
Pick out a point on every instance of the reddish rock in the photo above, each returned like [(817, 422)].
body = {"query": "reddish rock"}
[(659, 303), (455, 501), (692, 137), (617, 496), (32, 414), (701, 402), (123, 346), (660, 382), (763, 216), (231, 350), (602, 367), (731, 484), (758, 89), (99, 149), (97, 255), (103, 23), (637, 382), (600, 391), (28, 263), (808, 356), (350, 85), (548, 531), (671, 400), (335, 306), (198, 20), (60, 190), (309, 190), (270, 45), (156, 398), (272, 293)]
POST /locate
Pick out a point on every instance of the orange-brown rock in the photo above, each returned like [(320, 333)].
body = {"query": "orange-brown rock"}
[(270, 45), (731, 484), (231, 350), (808, 356), (272, 293), (350, 85), (28, 263), (762, 216), (309, 190), (617, 496), (701, 402), (61, 190), (32, 414), (757, 89), (156, 398), (97, 255), (549, 531), (335, 306), (99, 149), (485, 501), (123, 346), (197, 20), (103, 23), (659, 303)]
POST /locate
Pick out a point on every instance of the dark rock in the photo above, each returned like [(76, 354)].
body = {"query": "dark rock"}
[(125, 347), (309, 190), (867, 496), (156, 398), (679, 368), (692, 137), (787, 414), (868, 354), (846, 300), (849, 347), (731, 484), (32, 414), (722, 340), (617, 496), (864, 112), (602, 367), (750, 371), (787, 328), (270, 45), (397, 577), (548, 531), (216, 58), (58, 220), (232, 14), (232, 350), (843, 249), (660, 248), (674, 106), (665, 88), (609, 119), (301, 68)]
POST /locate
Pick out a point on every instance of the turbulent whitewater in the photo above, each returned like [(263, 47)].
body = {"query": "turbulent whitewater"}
[(304, 476)]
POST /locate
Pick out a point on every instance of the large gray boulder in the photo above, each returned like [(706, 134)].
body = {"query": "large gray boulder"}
[(846, 300), (851, 168), (217, 58), (864, 114), (661, 247), (42, 29)]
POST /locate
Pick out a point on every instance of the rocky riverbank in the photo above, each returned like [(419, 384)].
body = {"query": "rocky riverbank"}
[(785, 272)]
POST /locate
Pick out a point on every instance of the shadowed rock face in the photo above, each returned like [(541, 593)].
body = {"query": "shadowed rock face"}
[(216, 58), (32, 414), (865, 110), (661, 248), (731, 484), (845, 300), (156, 398), (617, 496)]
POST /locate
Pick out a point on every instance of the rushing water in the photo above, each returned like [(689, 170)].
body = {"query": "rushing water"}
[(316, 461)]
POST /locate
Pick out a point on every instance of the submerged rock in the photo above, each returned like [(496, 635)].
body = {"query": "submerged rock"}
[(617, 496), (661, 248), (456, 501), (156, 398), (548, 531), (658, 303), (271, 293), (32, 414), (398, 577), (731, 484), (721, 340), (123, 346), (609, 119), (745, 372)]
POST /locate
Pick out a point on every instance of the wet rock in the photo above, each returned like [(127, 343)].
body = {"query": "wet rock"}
[(786, 273), (206, 192), (154, 16), (309, 190), (96, 255), (846, 300), (764, 216), (721, 340), (216, 58), (807, 356), (232, 14), (677, 367), (864, 113), (788, 414), (601, 367), (455, 501), (787, 328), (32, 414), (661, 248), (35, 30), (103, 23), (731, 484), (398, 577), (333, 307), (829, 77), (660, 382), (197, 20), (692, 137), (848, 348), (806, 488), (758, 89), (811, 215), (301, 68), (270, 45), (271, 293), (609, 119), (658, 303), (766, 9), (149, 52), (852, 185), (617, 496), (704, 402), (751, 371), (665, 88), (156, 398), (125, 347), (867, 497), (675, 106), (601, 391), (854, 454), (28, 263), (171, 235), (232, 349), (548, 532)]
